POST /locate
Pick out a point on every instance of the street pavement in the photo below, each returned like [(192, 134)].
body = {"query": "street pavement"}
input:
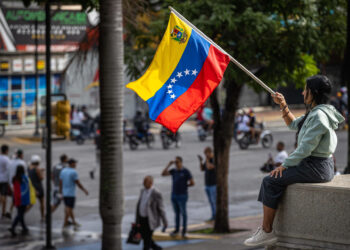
[(244, 182)]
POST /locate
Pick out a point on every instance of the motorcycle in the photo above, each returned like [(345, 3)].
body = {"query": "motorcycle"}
[(244, 139), (168, 138), (135, 138), (77, 135), (203, 130)]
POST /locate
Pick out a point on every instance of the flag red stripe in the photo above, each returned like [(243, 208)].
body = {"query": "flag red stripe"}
[(207, 80), (17, 193)]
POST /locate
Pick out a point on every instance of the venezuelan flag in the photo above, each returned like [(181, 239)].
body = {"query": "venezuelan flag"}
[(184, 72), (24, 193)]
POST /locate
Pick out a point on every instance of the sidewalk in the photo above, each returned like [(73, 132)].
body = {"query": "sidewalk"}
[(242, 226), (264, 114)]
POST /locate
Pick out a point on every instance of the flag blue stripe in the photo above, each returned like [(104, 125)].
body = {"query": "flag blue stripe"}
[(25, 193), (189, 67)]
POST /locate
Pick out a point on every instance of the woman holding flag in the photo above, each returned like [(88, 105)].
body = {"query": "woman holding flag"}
[(23, 195), (311, 161)]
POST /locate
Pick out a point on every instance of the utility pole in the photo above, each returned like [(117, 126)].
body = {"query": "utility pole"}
[(36, 132), (48, 125)]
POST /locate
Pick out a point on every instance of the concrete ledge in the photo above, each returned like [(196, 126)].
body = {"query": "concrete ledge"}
[(314, 216)]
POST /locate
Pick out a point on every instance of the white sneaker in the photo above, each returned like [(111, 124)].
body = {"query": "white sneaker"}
[(77, 226), (260, 238)]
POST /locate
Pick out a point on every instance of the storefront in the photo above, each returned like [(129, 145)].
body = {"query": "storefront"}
[(22, 33), (17, 97)]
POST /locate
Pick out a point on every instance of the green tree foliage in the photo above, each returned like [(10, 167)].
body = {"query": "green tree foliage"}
[(271, 36)]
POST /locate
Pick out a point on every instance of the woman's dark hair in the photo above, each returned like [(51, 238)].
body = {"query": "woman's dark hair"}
[(320, 88), (19, 173)]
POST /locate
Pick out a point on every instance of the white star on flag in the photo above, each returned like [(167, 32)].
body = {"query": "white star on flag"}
[(173, 80), (179, 74), (172, 96), (187, 72), (170, 86), (170, 91), (194, 72)]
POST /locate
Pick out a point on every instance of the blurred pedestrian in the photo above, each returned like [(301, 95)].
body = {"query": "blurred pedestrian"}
[(209, 178), (208, 116), (97, 141), (238, 118), (68, 180), (14, 163), (277, 161), (36, 175), (182, 179), (5, 188), (88, 122), (56, 181), (149, 213), (21, 197), (77, 119)]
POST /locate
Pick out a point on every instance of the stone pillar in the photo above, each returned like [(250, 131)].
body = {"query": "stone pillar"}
[(314, 216)]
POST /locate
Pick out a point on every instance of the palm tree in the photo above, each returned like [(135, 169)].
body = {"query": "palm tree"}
[(111, 98), (346, 77)]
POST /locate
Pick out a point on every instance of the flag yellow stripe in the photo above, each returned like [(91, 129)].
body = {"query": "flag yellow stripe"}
[(167, 57), (32, 193)]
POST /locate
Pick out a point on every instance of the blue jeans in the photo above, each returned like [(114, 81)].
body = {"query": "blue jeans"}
[(179, 205), (211, 193)]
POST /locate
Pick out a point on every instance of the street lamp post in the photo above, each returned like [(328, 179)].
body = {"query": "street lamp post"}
[(36, 132), (48, 126)]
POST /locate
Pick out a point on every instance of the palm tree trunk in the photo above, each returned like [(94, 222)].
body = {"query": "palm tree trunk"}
[(346, 79), (111, 96)]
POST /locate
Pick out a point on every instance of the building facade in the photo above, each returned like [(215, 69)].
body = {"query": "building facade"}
[(22, 37)]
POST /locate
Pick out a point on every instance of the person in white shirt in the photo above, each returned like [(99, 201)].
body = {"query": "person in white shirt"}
[(5, 188), (56, 201), (275, 162), (18, 160), (77, 117), (14, 163), (79, 121), (243, 123)]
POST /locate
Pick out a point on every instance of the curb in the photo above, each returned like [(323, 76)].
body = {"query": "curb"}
[(159, 236), (26, 140)]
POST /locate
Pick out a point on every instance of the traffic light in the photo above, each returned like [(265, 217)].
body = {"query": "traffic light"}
[(62, 117)]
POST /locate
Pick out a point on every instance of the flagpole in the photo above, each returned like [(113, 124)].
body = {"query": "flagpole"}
[(262, 84)]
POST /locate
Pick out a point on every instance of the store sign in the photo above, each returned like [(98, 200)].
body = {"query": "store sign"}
[(17, 65), (68, 27), (4, 66), (29, 64)]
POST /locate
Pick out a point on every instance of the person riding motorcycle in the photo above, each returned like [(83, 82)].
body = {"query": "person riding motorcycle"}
[(255, 133), (140, 124), (243, 122)]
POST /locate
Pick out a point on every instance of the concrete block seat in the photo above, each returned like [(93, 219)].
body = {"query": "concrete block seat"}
[(314, 216)]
